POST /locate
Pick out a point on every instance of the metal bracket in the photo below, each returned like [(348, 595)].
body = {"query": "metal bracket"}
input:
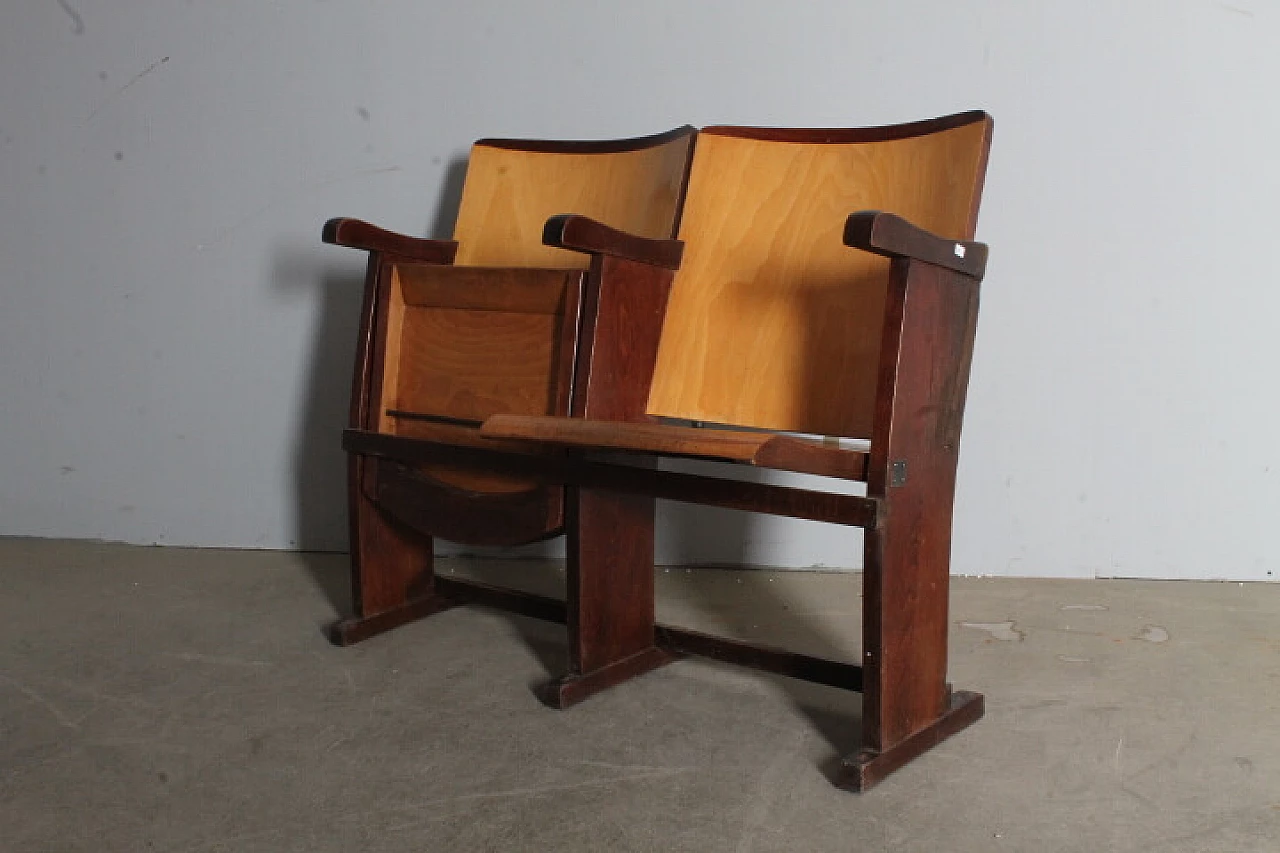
[(898, 472)]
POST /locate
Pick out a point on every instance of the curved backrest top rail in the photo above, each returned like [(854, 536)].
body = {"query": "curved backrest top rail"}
[(514, 186), (592, 146), (773, 322)]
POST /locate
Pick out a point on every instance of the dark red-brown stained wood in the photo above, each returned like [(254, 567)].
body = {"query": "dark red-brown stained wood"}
[(895, 237), (841, 135), (583, 234), (610, 548), (594, 146), (355, 234), (391, 564), (865, 768), (478, 518), (927, 347), (829, 507), (391, 561), (622, 314), (610, 612)]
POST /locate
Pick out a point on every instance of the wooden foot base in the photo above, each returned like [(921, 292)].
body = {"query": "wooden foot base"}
[(351, 631), (572, 689), (867, 767)]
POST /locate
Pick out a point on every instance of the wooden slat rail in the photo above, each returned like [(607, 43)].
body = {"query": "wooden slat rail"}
[(680, 641), (764, 449), (849, 510)]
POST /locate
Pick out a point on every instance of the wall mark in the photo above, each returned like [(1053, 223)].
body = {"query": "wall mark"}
[(118, 92), (1236, 9), (77, 23)]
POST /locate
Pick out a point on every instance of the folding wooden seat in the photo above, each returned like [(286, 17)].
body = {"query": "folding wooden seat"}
[(491, 322), (828, 287)]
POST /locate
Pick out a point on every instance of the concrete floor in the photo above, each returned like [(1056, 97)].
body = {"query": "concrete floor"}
[(183, 700)]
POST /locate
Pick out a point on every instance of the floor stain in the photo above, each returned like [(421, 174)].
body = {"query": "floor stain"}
[(1153, 634), (1083, 607), (1069, 659), (1006, 631)]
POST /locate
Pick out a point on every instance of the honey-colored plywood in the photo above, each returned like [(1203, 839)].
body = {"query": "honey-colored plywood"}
[(472, 364), (465, 343), (510, 193), (772, 321)]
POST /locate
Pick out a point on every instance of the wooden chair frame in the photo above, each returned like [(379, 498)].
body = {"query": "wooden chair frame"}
[(395, 507), (909, 470)]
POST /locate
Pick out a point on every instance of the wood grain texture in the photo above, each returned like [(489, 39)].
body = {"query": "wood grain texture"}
[(783, 452), (622, 317), (511, 192), (583, 234), (868, 767), (773, 322), (829, 507), (391, 565), (573, 688), (894, 237), (355, 234), (472, 364), (928, 344), (468, 343), (504, 289), (472, 343), (429, 505), (389, 323), (609, 573)]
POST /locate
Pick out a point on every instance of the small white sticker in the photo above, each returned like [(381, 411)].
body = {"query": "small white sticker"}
[(959, 250)]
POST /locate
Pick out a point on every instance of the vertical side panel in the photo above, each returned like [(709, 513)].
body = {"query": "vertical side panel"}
[(610, 589), (389, 562), (928, 344), (610, 556)]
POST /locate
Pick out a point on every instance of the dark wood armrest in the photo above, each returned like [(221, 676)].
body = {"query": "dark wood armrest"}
[(355, 234), (583, 234), (895, 237)]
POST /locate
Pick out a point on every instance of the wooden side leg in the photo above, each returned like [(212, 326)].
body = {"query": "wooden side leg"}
[(391, 569), (908, 706), (610, 611)]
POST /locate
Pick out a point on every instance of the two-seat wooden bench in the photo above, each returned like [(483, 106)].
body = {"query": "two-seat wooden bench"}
[(825, 285)]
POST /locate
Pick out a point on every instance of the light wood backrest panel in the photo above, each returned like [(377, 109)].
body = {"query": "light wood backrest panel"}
[(512, 188), (773, 322)]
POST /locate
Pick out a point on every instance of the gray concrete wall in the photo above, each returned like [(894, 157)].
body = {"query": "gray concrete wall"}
[(175, 342)]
